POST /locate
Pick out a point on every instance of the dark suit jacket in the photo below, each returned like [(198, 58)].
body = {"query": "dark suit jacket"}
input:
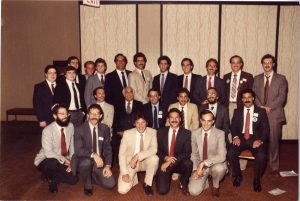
[(169, 94), (194, 79), (245, 82), (149, 114), (42, 102), (124, 121), (83, 143), (261, 127), (81, 84), (62, 95), (183, 148), (114, 87), (200, 93)]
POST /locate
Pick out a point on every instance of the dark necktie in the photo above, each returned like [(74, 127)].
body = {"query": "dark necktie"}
[(204, 156), (94, 140), (247, 126), (124, 80), (128, 108), (162, 84), (102, 80), (143, 76), (209, 83), (212, 108), (267, 87), (173, 143), (182, 118), (52, 89), (186, 82), (63, 145), (155, 124), (75, 96)]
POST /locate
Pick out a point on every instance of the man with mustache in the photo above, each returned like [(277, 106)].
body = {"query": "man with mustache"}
[(250, 130), (93, 152), (174, 152), (54, 159)]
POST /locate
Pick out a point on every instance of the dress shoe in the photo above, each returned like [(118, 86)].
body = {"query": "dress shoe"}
[(216, 192), (53, 187), (175, 176), (88, 192), (256, 186), (185, 191), (148, 190), (237, 180)]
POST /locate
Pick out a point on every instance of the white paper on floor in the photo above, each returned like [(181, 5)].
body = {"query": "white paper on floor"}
[(277, 191), (288, 173)]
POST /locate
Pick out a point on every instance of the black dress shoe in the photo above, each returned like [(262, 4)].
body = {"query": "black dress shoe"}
[(256, 186), (237, 180), (148, 190), (185, 191), (53, 187), (88, 192)]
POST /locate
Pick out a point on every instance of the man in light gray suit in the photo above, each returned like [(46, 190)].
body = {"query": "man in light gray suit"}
[(140, 79), (208, 155), (54, 159), (271, 92), (94, 81), (93, 152)]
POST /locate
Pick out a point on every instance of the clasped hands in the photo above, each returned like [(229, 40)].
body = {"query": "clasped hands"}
[(169, 160), (133, 163), (256, 143), (199, 171)]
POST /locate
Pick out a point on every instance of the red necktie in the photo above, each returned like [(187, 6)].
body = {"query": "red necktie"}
[(204, 156), (209, 82), (173, 143), (63, 147), (247, 126), (267, 87)]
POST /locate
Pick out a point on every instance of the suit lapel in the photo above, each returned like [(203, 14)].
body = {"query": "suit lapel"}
[(88, 135), (200, 143)]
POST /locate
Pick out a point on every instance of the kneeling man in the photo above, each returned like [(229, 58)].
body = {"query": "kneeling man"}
[(138, 153), (208, 155)]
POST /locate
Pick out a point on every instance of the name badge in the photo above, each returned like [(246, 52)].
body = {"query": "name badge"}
[(100, 138), (159, 116)]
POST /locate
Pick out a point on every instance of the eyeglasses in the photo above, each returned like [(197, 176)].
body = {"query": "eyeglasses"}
[(94, 114)]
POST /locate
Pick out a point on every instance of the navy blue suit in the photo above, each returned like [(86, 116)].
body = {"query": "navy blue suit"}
[(193, 83)]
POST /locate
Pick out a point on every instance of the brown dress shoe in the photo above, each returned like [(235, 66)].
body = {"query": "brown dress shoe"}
[(216, 192), (185, 191)]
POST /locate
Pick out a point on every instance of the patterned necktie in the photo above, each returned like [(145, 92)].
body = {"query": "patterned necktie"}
[(267, 87), (143, 76), (128, 108), (209, 82), (247, 126), (204, 156), (186, 81), (182, 118), (233, 88), (124, 80), (94, 140), (75, 96), (155, 124), (162, 84), (52, 89), (63, 145), (173, 143)]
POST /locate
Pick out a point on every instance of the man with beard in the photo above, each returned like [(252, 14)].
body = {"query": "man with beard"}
[(220, 112), (140, 79), (250, 130), (93, 152), (54, 159), (174, 152)]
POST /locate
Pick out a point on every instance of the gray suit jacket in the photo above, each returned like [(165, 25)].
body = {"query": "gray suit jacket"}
[(92, 83), (83, 143), (216, 152), (51, 143), (140, 87), (276, 98)]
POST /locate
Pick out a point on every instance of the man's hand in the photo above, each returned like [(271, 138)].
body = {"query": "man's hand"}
[(268, 109), (199, 169), (170, 159), (126, 178), (133, 161), (164, 166), (107, 171), (98, 160), (204, 102), (236, 141), (67, 163), (257, 143), (195, 175), (43, 124)]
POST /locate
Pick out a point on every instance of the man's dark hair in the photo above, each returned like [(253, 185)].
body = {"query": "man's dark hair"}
[(212, 60), (48, 67), (268, 56), (140, 115), (56, 107), (120, 54), (214, 88), (95, 90), (187, 59), (164, 57), (153, 89), (183, 90), (88, 63), (70, 68), (139, 54), (204, 112), (248, 90), (174, 110), (100, 60), (72, 58), (98, 107), (237, 56)]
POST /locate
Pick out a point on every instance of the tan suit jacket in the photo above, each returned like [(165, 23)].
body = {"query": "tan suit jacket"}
[(192, 115), (140, 87), (127, 147), (108, 111)]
